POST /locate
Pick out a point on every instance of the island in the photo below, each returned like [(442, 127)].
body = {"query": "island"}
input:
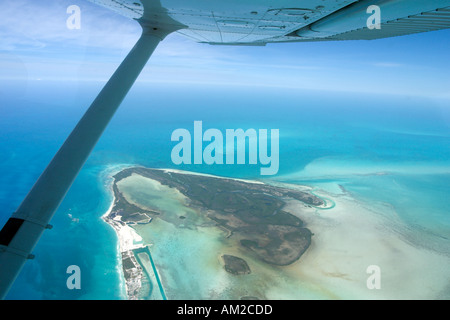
[(235, 265), (249, 214)]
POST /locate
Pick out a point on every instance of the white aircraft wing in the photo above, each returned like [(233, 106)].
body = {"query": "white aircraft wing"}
[(257, 22)]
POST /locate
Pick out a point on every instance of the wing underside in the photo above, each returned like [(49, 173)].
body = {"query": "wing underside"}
[(257, 22)]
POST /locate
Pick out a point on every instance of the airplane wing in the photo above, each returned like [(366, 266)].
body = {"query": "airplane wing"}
[(257, 22), (221, 22)]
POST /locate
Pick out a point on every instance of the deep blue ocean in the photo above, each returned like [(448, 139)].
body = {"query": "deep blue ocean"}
[(384, 149)]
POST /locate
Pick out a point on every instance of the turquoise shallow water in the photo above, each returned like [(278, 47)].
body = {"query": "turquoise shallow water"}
[(385, 149)]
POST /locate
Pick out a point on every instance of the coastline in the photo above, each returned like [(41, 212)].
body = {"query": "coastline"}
[(127, 241), (209, 175), (347, 240)]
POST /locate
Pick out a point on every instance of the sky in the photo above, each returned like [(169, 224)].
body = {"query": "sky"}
[(36, 45)]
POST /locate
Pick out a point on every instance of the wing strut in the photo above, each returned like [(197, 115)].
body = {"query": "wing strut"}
[(23, 230)]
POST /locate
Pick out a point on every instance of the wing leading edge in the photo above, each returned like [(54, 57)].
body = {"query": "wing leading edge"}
[(257, 22)]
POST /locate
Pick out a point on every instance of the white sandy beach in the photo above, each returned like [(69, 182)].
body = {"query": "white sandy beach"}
[(128, 240), (209, 175)]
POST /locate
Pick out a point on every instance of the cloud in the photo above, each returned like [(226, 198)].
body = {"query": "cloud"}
[(42, 45), (27, 25), (388, 64)]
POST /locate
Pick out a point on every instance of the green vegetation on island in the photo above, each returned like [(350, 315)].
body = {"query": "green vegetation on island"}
[(251, 212)]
